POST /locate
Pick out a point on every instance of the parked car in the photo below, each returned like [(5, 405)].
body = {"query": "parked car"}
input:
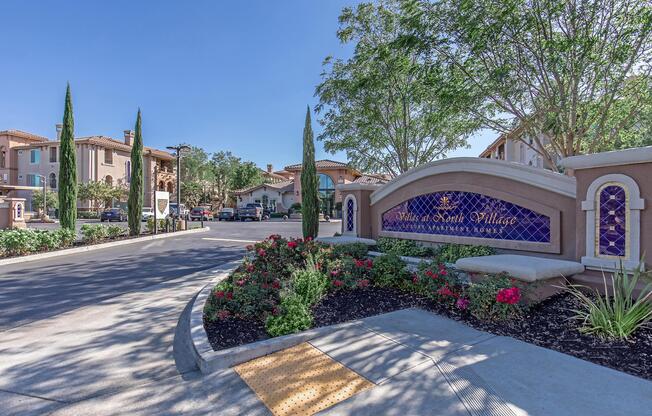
[(184, 211), (147, 213), (199, 213), (113, 214), (253, 211), (227, 214)]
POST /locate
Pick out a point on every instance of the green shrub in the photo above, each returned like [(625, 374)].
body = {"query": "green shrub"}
[(161, 225), (278, 214), (348, 273), (294, 316), (389, 270), (355, 250), (18, 242), (309, 284), (88, 215), (617, 316), (496, 297), (450, 253), (46, 240), (402, 247), (92, 233), (115, 231), (66, 237)]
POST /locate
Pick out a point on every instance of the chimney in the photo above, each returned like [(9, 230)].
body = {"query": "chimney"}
[(129, 137), (269, 168), (59, 128)]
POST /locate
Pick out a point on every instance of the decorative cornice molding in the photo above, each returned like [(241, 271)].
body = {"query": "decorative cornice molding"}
[(613, 158), (541, 178)]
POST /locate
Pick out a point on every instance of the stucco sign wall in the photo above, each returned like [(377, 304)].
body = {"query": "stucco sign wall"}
[(467, 214)]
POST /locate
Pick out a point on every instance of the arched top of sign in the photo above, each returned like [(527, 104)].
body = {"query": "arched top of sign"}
[(467, 214), (540, 178)]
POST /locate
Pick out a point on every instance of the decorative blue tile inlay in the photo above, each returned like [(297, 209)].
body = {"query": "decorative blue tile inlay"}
[(467, 214), (612, 233), (349, 215)]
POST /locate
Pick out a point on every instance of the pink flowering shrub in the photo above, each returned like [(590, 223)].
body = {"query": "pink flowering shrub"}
[(349, 273), (436, 281), (496, 297)]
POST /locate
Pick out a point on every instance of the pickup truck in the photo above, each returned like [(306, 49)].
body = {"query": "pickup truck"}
[(252, 211)]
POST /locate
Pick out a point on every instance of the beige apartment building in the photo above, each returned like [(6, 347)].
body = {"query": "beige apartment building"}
[(27, 160)]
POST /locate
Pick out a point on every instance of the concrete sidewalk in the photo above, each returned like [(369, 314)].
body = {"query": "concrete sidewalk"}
[(422, 364)]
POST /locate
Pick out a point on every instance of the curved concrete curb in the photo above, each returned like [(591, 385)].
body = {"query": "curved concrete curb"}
[(67, 251), (209, 360)]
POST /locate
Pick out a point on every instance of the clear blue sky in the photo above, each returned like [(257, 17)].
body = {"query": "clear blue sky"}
[(223, 75)]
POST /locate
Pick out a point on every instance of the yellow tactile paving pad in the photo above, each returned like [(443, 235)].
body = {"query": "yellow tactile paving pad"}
[(300, 380)]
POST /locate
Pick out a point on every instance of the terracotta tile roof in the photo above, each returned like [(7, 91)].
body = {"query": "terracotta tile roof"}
[(23, 135), (371, 179), (320, 164), (284, 186), (107, 142)]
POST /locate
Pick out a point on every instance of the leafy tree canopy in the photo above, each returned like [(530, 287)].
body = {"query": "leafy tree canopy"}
[(565, 73), (389, 107)]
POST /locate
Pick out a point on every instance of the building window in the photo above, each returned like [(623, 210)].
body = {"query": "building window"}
[(35, 156), (108, 180), (128, 171), (326, 194), (53, 181), (161, 186), (108, 156), (3, 158), (53, 155), (170, 187), (265, 202), (33, 180)]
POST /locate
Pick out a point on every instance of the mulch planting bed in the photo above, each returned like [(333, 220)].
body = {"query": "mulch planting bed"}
[(548, 324)]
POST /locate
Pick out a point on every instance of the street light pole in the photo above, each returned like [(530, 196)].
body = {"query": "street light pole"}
[(45, 197), (178, 150)]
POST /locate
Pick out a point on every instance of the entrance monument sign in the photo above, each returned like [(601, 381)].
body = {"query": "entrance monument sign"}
[(467, 214)]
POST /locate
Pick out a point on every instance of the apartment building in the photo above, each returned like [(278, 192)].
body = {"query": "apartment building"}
[(28, 159)]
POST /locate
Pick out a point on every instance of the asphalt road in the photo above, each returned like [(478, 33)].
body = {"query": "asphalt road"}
[(41, 289), (100, 324)]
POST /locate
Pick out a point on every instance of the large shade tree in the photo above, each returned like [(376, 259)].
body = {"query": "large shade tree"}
[(389, 107), (554, 71), (67, 168)]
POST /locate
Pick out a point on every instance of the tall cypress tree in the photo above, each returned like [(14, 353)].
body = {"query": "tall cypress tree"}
[(67, 168), (135, 203), (309, 184)]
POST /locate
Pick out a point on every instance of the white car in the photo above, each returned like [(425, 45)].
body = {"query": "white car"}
[(147, 213)]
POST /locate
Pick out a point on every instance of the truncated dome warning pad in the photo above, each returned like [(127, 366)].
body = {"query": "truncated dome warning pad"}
[(300, 380)]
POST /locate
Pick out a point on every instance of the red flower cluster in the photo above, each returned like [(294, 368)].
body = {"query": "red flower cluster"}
[(446, 291), (432, 274), (250, 268), (292, 245), (364, 263), (363, 283), (276, 284), (223, 314), (337, 283), (509, 296), (240, 282), (229, 295), (261, 252), (219, 294)]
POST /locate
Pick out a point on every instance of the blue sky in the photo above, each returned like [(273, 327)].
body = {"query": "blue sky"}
[(223, 75)]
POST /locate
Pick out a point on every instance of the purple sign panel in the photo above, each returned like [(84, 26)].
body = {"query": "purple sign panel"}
[(467, 214)]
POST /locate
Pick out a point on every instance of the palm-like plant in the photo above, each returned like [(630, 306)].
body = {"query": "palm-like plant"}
[(619, 314)]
